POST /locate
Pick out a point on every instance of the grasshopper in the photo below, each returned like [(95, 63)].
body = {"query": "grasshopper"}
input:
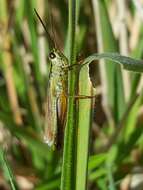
[(56, 103)]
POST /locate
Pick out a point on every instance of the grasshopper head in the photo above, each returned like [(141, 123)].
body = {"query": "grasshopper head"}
[(57, 58)]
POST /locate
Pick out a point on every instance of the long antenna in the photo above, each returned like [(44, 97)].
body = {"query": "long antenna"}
[(52, 26), (52, 43)]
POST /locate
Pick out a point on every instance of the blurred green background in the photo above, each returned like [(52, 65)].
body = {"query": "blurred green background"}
[(116, 140)]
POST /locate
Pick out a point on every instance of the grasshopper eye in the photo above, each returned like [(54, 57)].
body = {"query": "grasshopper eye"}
[(52, 55)]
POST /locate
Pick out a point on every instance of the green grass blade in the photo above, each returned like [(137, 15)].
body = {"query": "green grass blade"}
[(132, 119), (49, 185), (114, 82), (29, 7), (132, 133), (110, 177), (96, 160), (84, 123), (128, 63), (69, 154), (7, 170), (136, 76)]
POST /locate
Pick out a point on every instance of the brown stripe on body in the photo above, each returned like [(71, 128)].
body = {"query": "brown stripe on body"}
[(61, 119)]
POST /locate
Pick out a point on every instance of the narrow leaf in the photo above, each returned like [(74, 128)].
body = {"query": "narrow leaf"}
[(127, 62), (7, 170)]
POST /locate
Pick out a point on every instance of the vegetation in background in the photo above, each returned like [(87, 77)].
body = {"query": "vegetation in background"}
[(103, 135)]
